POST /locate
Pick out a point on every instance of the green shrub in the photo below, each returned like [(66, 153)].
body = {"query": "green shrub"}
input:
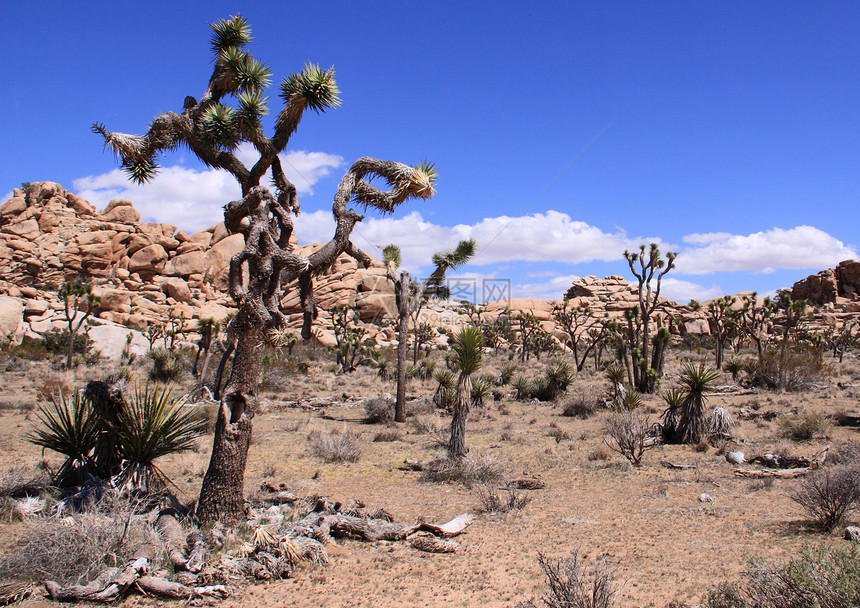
[(822, 578), (166, 366), (805, 425)]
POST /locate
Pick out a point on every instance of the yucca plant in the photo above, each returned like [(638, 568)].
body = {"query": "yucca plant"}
[(506, 374), (444, 389), (559, 375), (698, 380), (68, 427), (616, 375), (734, 367), (630, 399), (481, 387), (466, 362), (151, 426), (523, 387), (673, 398)]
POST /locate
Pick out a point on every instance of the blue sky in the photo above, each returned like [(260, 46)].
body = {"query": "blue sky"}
[(563, 132)]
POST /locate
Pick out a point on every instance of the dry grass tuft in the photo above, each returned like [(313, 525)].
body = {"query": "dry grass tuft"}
[(335, 447), (470, 471), (494, 501)]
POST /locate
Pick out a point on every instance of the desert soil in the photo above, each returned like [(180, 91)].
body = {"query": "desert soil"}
[(663, 542)]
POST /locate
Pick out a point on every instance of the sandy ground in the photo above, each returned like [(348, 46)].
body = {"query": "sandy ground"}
[(663, 542)]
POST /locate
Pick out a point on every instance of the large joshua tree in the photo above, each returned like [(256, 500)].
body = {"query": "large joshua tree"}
[(212, 130), (410, 296)]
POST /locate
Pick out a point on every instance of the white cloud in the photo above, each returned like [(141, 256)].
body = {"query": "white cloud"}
[(193, 199), (542, 237), (554, 289), (7, 196), (684, 291), (764, 252), (705, 238)]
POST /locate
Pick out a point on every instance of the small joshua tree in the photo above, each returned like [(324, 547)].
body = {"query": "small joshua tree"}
[(465, 361), (411, 296), (646, 268), (229, 113), (723, 322), (79, 302)]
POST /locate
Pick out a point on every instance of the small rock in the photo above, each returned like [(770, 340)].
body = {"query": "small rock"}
[(736, 457), (852, 533), (705, 497)]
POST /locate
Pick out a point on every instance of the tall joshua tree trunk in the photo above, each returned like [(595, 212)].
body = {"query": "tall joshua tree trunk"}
[(212, 131)]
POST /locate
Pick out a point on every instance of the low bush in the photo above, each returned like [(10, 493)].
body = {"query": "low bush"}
[(796, 371), (378, 409), (166, 366), (388, 436), (828, 495), (805, 425), (823, 578), (583, 404), (336, 447), (75, 551), (470, 470), (571, 584), (627, 432), (495, 501)]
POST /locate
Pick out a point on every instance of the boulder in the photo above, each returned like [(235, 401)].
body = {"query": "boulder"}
[(817, 289), (190, 263), (110, 340), (375, 306), (11, 315), (121, 214), (177, 289), (150, 259)]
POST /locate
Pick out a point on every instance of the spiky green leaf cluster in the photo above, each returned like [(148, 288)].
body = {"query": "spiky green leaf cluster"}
[(467, 351), (313, 88), (232, 32), (153, 425), (697, 378), (140, 171), (68, 426), (218, 126), (392, 256), (462, 253)]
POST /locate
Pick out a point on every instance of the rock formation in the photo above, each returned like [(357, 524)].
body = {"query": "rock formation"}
[(146, 272)]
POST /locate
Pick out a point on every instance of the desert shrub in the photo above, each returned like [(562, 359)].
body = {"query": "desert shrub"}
[(68, 426), (822, 578), (583, 404), (828, 495), (600, 452), (557, 433), (57, 342), (571, 584), (523, 387), (166, 366), (19, 481), (378, 409), (804, 425), (69, 553), (51, 386), (469, 470), (627, 431), (336, 447), (278, 370), (793, 371), (431, 425), (495, 501), (388, 435), (419, 405), (844, 452)]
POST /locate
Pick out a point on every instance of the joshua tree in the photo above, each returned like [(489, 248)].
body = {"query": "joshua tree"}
[(79, 302), (583, 330), (212, 130), (207, 328), (644, 267), (465, 361), (698, 380), (755, 319), (723, 322), (410, 297)]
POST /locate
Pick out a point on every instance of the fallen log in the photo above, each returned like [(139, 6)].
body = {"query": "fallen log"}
[(781, 473), (106, 588), (424, 541), (171, 534), (527, 483), (340, 525), (672, 465)]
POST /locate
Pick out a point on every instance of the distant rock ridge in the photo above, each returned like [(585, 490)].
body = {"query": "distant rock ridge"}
[(144, 271)]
